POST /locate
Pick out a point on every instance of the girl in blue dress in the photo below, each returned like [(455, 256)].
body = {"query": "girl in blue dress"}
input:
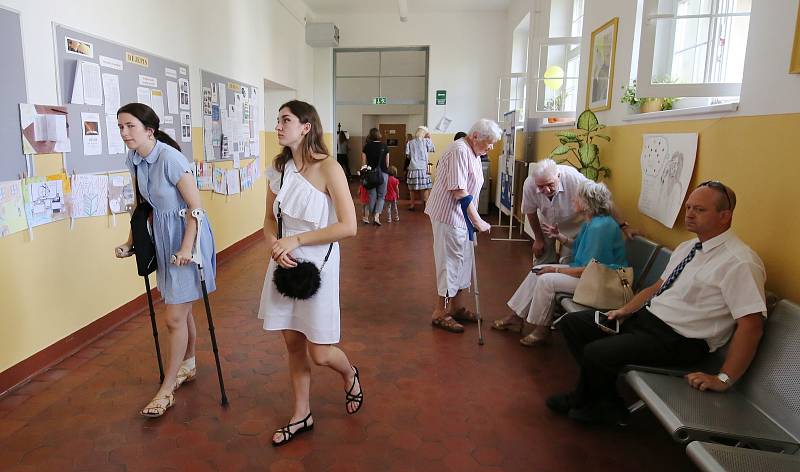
[(164, 179)]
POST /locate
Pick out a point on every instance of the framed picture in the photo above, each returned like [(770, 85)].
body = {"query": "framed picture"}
[(602, 54), (794, 64)]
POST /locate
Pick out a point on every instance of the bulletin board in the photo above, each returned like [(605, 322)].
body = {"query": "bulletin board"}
[(12, 76), (238, 103), (141, 77)]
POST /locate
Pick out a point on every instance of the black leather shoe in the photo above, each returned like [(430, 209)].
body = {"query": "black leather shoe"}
[(561, 403)]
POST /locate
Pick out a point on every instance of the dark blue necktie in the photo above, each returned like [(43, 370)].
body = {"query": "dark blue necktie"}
[(675, 273)]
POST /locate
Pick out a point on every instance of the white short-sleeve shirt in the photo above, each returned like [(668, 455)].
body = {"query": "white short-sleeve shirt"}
[(723, 282), (558, 209)]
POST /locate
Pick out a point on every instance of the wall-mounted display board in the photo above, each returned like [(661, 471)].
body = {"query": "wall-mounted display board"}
[(231, 118), (95, 77), (12, 78)]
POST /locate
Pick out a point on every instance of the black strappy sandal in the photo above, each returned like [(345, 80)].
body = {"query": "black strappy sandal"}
[(287, 433), (357, 398)]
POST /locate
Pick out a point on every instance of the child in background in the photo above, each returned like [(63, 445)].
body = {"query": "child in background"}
[(363, 197), (392, 192)]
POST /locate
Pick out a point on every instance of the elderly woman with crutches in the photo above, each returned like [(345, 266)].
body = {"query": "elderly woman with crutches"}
[(459, 174)]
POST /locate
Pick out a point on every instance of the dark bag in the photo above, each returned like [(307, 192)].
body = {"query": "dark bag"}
[(144, 247), (303, 281), (373, 178)]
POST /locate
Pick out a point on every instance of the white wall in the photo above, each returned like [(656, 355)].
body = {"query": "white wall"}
[(249, 41), (767, 87), (467, 54)]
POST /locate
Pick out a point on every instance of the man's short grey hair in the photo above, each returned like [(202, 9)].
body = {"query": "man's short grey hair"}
[(545, 169), (597, 197), (486, 129)]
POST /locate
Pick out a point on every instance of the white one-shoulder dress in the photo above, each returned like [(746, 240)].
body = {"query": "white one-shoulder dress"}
[(303, 208)]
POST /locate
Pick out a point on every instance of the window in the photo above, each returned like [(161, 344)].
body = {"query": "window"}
[(692, 48), (558, 54), (512, 91)]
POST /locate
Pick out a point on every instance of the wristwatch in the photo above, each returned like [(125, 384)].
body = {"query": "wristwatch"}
[(724, 378)]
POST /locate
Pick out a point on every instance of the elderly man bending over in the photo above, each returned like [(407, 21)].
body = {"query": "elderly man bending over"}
[(711, 284), (459, 173), (547, 199)]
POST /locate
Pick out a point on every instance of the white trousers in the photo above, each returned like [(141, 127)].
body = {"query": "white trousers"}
[(534, 300), (453, 258)]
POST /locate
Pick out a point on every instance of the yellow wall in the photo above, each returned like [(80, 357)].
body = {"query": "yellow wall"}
[(747, 153), (65, 279)]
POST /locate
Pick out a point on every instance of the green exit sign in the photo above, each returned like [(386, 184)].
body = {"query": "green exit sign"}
[(441, 97), (380, 101)]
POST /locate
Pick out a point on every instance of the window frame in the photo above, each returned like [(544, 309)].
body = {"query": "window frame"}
[(647, 45)]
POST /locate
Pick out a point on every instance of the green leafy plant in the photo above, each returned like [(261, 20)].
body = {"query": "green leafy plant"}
[(629, 95), (555, 104), (579, 146)]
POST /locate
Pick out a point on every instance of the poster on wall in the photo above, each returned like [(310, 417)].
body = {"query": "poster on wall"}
[(506, 177), (667, 163)]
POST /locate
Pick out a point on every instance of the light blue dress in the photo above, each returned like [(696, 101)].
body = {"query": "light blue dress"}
[(157, 175)]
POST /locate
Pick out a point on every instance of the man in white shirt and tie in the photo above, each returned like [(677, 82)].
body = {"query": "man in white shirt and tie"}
[(711, 285)]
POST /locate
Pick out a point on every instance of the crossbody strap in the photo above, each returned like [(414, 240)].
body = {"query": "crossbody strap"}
[(280, 223)]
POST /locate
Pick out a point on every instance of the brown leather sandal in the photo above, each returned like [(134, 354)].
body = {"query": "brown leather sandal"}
[(463, 315), (447, 323)]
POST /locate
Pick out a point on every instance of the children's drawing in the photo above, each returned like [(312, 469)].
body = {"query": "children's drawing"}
[(120, 194), (45, 200), (12, 208), (219, 181), (89, 195), (232, 179), (204, 175), (667, 163)]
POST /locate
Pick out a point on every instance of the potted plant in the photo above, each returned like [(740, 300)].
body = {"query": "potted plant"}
[(585, 153), (555, 104), (646, 104)]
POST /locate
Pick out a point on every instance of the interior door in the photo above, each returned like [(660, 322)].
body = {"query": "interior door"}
[(395, 138)]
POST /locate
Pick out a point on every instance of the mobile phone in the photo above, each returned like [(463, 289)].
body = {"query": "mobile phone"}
[(536, 270), (601, 319)]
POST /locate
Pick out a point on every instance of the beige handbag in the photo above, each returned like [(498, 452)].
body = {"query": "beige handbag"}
[(604, 288)]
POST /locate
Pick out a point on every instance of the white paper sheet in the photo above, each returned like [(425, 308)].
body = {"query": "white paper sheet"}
[(170, 132), (168, 120), (667, 163), (114, 140), (223, 97), (171, 73), (92, 85), (92, 138), (157, 102), (89, 195), (110, 62), (147, 81), (143, 95), (111, 92), (172, 97), (77, 86)]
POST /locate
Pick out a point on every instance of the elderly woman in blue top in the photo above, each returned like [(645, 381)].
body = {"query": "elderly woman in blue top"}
[(600, 237), (164, 179)]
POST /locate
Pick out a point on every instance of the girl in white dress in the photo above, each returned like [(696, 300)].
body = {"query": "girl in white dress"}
[(316, 211)]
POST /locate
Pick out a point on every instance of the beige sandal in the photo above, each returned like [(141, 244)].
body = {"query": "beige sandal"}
[(184, 375), (158, 406), (535, 339), (504, 324)]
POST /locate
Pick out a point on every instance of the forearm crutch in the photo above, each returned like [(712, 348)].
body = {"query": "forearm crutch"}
[(471, 232), (154, 327), (197, 258)]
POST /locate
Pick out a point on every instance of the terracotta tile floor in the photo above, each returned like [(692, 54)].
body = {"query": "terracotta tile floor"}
[(434, 401)]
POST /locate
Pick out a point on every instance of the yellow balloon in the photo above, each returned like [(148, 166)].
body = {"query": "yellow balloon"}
[(554, 77)]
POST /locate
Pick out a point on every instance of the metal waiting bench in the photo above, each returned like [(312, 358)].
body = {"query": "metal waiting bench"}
[(761, 411), (710, 457)]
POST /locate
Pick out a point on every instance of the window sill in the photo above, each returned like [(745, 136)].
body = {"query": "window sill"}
[(706, 110), (560, 124)]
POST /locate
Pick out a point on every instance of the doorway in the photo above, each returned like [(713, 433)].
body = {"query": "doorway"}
[(394, 136)]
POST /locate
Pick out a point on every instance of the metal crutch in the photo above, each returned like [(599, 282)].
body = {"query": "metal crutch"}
[(465, 202), (155, 328), (197, 258)]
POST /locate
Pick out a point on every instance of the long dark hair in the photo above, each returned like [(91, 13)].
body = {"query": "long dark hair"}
[(312, 142), (149, 119)]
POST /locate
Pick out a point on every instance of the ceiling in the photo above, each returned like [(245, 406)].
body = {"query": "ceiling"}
[(414, 6)]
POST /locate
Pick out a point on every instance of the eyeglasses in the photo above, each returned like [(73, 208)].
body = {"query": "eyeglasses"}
[(720, 187)]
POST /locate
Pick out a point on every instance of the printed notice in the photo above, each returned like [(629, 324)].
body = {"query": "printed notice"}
[(92, 143)]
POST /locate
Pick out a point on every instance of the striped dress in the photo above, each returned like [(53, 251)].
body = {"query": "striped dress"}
[(417, 150)]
